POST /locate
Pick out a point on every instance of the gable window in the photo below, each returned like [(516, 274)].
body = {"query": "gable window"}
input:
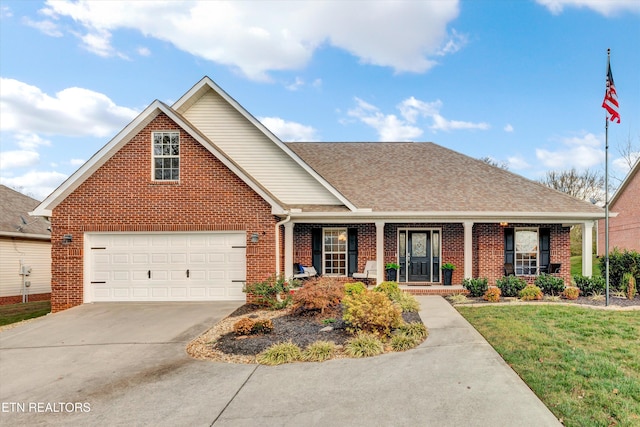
[(526, 251), (334, 251), (166, 156)]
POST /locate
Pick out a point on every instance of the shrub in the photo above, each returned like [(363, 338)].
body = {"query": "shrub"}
[(243, 326), (590, 285), (270, 292), (262, 326), (414, 329), (277, 354), (458, 298), (354, 288), (403, 342), (371, 312), (619, 264), (391, 289), (407, 303), (511, 285), (530, 293), (550, 285), (363, 345), (492, 295), (317, 295), (319, 351), (571, 293), (476, 287), (629, 283)]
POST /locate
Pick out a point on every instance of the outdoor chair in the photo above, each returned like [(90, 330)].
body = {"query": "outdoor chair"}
[(509, 270), (368, 273), (554, 268), (302, 272)]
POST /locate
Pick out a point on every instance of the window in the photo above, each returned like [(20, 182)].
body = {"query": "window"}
[(526, 251), (334, 251), (166, 156)]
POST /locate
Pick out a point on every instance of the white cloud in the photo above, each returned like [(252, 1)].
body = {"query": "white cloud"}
[(144, 51), (622, 165), (77, 162), (390, 127), (581, 152), (5, 12), (39, 184), (297, 84), (508, 128), (30, 141), (258, 37), (603, 7), (517, 163), (45, 26), (18, 159), (289, 131), (71, 112)]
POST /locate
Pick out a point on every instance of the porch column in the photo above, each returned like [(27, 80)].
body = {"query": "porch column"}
[(468, 249), (379, 252), (587, 248), (288, 249)]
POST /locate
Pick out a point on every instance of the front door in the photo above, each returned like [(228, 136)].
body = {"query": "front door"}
[(419, 255)]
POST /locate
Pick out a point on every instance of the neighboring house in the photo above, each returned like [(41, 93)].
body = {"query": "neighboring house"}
[(190, 201), (624, 224), (25, 247)]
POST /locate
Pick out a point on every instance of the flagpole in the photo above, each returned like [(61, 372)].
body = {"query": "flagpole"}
[(606, 193)]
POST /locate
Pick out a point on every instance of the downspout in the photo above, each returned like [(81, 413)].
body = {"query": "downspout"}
[(284, 221)]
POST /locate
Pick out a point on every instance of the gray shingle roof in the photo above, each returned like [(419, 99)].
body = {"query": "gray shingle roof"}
[(14, 205), (425, 177)]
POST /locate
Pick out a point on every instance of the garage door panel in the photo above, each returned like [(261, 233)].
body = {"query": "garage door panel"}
[(123, 262)]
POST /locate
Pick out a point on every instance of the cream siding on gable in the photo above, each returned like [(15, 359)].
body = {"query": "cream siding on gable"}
[(256, 153), (35, 254)]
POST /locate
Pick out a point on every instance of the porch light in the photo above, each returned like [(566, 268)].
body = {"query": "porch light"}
[(255, 238), (504, 224), (67, 238)]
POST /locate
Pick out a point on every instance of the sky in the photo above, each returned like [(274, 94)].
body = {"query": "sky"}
[(521, 82)]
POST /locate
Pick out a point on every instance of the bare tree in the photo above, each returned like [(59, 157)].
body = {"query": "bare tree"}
[(587, 185), (493, 162)]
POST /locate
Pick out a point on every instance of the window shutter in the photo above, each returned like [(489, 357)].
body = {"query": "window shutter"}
[(509, 249), (352, 251), (316, 249), (545, 247)]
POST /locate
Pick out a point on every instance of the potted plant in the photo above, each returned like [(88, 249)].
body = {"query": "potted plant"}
[(447, 272), (391, 269)]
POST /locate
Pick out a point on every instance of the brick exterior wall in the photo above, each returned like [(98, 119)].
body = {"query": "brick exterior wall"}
[(488, 246), (121, 197), (17, 299), (624, 229)]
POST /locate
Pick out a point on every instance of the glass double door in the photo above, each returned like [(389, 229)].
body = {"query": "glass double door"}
[(419, 255)]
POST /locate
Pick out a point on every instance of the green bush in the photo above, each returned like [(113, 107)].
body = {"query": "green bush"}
[(317, 295), (530, 293), (550, 285), (277, 354), (371, 312), (407, 303), (511, 285), (354, 288), (364, 345), (273, 292), (391, 289), (619, 264), (403, 342), (476, 287), (319, 351), (414, 329), (590, 285)]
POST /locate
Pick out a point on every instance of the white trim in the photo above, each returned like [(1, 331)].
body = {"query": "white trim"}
[(515, 249), (206, 82), (122, 138), (440, 245), (153, 156), (346, 251), (587, 248), (468, 249)]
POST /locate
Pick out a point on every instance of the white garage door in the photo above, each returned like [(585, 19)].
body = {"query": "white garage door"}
[(166, 267)]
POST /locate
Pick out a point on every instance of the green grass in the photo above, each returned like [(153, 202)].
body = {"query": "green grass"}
[(584, 364), (13, 313), (576, 265)]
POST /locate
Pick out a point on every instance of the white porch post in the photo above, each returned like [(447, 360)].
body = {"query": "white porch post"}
[(288, 249), (587, 248), (468, 249), (379, 252)]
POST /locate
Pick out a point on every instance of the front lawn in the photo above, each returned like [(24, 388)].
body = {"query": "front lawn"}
[(584, 364), (13, 313), (576, 265)]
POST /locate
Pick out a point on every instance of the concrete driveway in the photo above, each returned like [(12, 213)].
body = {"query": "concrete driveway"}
[(125, 364)]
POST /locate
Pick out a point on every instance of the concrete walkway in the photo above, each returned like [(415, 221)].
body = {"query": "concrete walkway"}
[(453, 379)]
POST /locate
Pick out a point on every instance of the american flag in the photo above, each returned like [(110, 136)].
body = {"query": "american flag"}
[(610, 102)]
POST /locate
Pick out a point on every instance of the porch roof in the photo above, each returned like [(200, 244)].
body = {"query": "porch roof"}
[(425, 177)]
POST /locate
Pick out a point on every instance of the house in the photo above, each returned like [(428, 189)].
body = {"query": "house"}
[(25, 250), (624, 226), (190, 201)]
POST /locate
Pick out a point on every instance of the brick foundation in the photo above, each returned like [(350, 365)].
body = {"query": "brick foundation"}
[(17, 299)]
